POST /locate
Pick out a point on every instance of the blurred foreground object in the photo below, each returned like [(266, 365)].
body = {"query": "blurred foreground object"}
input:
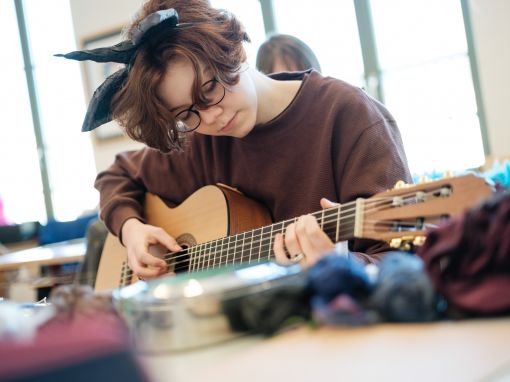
[(468, 259), (84, 341), (346, 292)]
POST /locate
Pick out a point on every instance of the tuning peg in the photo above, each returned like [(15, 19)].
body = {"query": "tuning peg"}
[(400, 184), (402, 244), (419, 240), (395, 243), (406, 243)]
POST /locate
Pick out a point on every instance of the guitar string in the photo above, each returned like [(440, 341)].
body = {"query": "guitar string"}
[(197, 261), (263, 235), (210, 260), (200, 259), (204, 255)]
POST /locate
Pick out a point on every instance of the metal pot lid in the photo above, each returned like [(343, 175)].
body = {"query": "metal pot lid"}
[(224, 281)]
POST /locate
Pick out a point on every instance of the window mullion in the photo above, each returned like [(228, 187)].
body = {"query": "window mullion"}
[(475, 76), (268, 16), (373, 78), (34, 105)]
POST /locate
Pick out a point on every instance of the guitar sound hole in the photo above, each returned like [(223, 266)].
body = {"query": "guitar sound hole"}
[(182, 260)]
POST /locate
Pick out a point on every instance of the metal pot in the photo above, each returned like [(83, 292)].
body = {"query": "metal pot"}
[(188, 310)]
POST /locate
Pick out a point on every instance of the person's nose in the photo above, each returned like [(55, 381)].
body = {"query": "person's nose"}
[(210, 114)]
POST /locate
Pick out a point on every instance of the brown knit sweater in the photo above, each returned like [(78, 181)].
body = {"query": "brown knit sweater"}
[(332, 141)]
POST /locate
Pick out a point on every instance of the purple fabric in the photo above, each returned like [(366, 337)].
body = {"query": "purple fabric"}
[(468, 259)]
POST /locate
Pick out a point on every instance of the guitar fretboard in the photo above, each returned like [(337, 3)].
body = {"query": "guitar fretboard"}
[(257, 245)]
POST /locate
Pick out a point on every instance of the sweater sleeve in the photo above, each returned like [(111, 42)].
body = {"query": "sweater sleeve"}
[(375, 163), (121, 191)]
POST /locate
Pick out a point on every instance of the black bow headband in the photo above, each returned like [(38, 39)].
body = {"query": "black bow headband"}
[(99, 109)]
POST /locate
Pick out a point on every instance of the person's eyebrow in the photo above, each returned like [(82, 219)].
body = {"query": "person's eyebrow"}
[(206, 73), (183, 107)]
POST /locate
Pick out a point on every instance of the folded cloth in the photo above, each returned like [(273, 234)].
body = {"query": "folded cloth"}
[(85, 341), (468, 259)]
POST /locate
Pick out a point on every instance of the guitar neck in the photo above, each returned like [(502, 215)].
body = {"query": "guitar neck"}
[(400, 213), (257, 245)]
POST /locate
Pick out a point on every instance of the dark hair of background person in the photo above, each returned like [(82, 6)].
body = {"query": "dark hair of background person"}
[(282, 52)]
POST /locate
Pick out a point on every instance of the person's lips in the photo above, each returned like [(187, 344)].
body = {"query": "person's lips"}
[(229, 126)]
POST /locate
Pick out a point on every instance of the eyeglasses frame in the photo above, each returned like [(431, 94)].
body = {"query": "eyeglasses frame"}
[(196, 112)]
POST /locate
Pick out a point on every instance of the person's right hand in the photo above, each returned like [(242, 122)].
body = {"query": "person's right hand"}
[(137, 238)]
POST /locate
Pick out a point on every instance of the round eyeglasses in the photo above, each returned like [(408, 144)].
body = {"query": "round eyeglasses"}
[(189, 119)]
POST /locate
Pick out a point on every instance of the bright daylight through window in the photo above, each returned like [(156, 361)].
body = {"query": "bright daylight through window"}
[(62, 106)]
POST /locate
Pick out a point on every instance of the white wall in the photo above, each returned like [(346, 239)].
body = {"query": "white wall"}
[(92, 18), (491, 31)]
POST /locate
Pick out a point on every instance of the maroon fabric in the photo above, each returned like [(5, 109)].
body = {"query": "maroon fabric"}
[(86, 336), (64, 343), (332, 141), (468, 259)]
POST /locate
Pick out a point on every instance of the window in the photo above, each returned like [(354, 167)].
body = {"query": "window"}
[(60, 96), (332, 34), (20, 185), (427, 82), (422, 60)]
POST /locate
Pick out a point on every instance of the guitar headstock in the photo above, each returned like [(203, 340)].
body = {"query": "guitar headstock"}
[(407, 212)]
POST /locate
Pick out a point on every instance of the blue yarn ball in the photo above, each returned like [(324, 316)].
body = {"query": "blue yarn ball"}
[(333, 275), (403, 291)]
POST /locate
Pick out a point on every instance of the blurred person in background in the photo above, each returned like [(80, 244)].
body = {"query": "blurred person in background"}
[(285, 53)]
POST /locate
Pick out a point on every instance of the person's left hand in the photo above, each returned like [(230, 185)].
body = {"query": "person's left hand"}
[(304, 241)]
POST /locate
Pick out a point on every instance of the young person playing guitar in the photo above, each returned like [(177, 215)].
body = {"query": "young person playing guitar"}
[(293, 141)]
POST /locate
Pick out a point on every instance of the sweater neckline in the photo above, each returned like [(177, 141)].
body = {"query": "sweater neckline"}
[(292, 107)]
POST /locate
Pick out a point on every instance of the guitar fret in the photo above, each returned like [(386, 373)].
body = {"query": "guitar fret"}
[(251, 245), (190, 261), (217, 253), (196, 255), (213, 249), (196, 252), (242, 248), (234, 257), (330, 224), (270, 240), (201, 254), (208, 253), (337, 224), (260, 242), (217, 249), (222, 256), (227, 252)]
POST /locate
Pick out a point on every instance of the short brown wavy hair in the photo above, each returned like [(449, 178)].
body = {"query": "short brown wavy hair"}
[(214, 42)]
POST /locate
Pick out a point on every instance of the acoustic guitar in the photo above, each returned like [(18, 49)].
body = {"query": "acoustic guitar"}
[(218, 226)]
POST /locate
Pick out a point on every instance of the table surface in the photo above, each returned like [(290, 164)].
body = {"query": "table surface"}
[(470, 350), (52, 254)]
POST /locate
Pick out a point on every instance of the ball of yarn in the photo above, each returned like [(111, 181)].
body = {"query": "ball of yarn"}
[(403, 291), (333, 275)]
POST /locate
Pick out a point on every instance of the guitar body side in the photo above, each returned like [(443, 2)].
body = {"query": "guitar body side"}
[(210, 213)]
